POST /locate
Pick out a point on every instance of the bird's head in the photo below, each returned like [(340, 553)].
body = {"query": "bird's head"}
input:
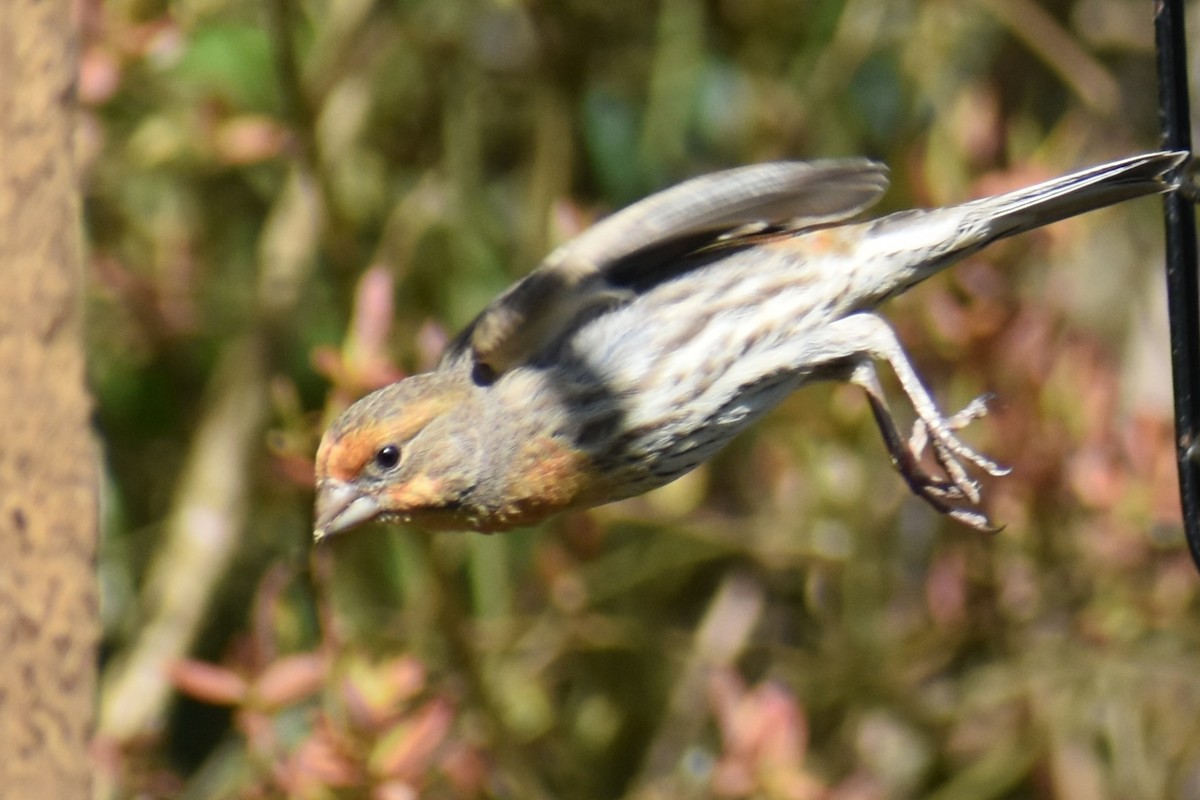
[(405, 453)]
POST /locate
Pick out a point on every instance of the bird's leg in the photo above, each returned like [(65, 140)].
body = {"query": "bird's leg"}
[(863, 339)]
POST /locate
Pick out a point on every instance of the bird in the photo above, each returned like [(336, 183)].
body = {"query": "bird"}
[(638, 349)]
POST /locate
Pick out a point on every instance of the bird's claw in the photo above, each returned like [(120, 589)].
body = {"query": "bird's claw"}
[(938, 434)]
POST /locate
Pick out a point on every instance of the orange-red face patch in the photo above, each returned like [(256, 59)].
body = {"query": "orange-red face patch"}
[(345, 457)]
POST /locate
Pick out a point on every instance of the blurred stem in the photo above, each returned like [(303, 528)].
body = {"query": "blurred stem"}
[(202, 534), (491, 582), (285, 248), (295, 102), (455, 624), (462, 147), (301, 113), (678, 55), (1054, 45), (731, 617), (549, 175), (860, 27)]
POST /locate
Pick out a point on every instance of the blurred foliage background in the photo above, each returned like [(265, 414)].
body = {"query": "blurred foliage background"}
[(290, 202)]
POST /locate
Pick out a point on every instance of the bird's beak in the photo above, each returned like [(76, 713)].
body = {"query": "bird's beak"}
[(340, 507)]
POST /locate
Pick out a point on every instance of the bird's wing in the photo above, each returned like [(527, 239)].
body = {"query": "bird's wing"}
[(597, 269)]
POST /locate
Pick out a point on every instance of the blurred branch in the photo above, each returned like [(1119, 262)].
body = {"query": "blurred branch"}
[(859, 28), (286, 246), (731, 617), (549, 175), (296, 105), (1053, 44), (678, 53), (201, 536), (302, 115)]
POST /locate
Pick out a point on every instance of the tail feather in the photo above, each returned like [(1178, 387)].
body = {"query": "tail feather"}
[(918, 243), (1078, 193)]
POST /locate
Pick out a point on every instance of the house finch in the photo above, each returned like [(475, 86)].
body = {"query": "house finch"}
[(640, 348)]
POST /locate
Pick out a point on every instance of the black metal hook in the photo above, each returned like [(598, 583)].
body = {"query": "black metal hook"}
[(1183, 288)]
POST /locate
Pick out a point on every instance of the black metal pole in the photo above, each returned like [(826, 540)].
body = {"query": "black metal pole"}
[(1183, 290)]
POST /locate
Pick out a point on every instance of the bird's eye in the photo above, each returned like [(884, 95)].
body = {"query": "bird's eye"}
[(387, 457)]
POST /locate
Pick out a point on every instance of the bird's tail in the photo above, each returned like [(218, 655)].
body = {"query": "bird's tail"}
[(921, 243), (1078, 193)]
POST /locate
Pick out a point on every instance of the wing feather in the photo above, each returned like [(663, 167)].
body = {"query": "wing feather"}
[(578, 278)]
